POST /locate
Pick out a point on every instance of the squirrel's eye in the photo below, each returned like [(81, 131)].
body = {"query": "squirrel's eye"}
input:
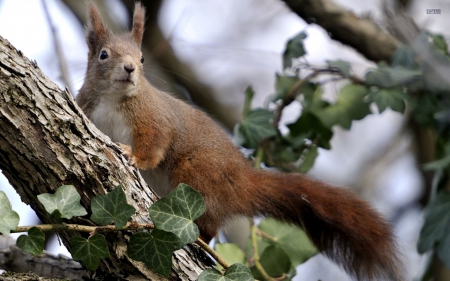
[(103, 55), (142, 59)]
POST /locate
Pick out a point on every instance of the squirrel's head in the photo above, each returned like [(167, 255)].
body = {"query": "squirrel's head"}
[(115, 62)]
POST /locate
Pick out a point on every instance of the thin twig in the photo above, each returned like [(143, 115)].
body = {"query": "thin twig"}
[(83, 228), (259, 157), (213, 253), (290, 97), (332, 71), (294, 91), (256, 255), (265, 235)]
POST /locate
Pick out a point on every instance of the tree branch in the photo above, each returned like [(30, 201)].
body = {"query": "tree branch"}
[(344, 26), (58, 48), (46, 265), (46, 141)]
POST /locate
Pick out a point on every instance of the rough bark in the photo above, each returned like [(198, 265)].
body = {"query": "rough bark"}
[(46, 141), (342, 25)]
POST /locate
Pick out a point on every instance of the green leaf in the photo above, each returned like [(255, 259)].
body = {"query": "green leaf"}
[(256, 127), (66, 199), (283, 86), (292, 239), (404, 56), (343, 66), (436, 230), (154, 249), (440, 43), (236, 272), (390, 77), (112, 206), (56, 215), (9, 220), (32, 243), (350, 106), (312, 94), (177, 211), (275, 262), (442, 163), (423, 108), (294, 49), (391, 97), (89, 251), (309, 159), (249, 93), (310, 127), (231, 253)]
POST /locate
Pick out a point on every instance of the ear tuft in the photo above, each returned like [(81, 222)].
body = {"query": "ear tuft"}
[(137, 31), (96, 32)]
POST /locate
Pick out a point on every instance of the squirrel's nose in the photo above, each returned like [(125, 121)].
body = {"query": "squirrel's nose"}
[(129, 68)]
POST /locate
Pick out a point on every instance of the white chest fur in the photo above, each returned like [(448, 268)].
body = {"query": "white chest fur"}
[(108, 117)]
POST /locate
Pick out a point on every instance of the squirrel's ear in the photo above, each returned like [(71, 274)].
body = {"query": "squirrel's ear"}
[(137, 31), (96, 31)]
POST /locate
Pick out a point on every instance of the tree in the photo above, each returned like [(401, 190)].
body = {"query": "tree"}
[(47, 135), (46, 142)]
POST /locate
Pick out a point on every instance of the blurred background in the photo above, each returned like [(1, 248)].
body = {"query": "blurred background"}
[(210, 51)]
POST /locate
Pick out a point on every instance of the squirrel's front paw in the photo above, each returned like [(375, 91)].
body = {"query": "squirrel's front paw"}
[(127, 153)]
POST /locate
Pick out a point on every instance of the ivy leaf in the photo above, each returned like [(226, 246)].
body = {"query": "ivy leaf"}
[(294, 49), (292, 239), (309, 159), (442, 163), (275, 262), (312, 94), (89, 251), (236, 272), (390, 77), (32, 243), (436, 230), (154, 249), (423, 108), (249, 93), (66, 199), (177, 211), (255, 127), (112, 206), (404, 56), (391, 97), (343, 66), (350, 106), (56, 215), (9, 219), (283, 86), (231, 253), (440, 43), (310, 127)]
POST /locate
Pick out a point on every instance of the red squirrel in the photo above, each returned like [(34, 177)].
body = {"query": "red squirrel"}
[(172, 142)]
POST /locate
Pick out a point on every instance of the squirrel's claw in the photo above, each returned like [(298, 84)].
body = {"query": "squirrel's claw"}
[(127, 153)]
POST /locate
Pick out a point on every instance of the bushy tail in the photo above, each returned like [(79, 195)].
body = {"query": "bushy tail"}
[(342, 226)]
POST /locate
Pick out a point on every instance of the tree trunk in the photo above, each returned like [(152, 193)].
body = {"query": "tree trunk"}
[(46, 141)]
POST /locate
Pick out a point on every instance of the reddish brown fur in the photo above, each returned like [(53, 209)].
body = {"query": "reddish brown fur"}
[(96, 32), (183, 145), (138, 23)]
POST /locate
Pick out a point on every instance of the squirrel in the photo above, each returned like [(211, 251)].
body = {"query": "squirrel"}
[(172, 142)]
